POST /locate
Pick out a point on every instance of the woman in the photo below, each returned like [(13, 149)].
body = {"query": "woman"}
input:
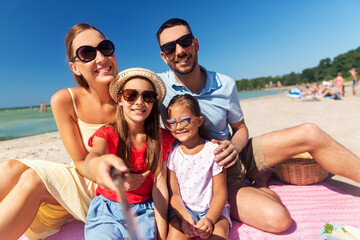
[(40, 196)]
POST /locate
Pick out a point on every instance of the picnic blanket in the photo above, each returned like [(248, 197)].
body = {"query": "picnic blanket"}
[(311, 207)]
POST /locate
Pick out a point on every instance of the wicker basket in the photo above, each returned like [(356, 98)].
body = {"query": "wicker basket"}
[(301, 169)]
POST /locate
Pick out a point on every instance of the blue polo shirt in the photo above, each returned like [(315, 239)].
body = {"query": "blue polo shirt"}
[(219, 101)]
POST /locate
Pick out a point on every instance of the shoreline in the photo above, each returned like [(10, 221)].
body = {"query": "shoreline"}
[(274, 112), (339, 118)]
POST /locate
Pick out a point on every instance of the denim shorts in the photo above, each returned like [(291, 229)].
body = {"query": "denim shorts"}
[(199, 215), (105, 219)]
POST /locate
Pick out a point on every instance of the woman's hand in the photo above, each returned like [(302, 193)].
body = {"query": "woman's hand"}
[(226, 154)]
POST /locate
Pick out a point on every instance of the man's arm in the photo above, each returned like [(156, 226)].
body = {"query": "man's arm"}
[(227, 152)]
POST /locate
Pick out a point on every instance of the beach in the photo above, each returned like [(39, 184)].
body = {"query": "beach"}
[(339, 118)]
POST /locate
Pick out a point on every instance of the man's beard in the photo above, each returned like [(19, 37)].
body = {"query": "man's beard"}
[(185, 72)]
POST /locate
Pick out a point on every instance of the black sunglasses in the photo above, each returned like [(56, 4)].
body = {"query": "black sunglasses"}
[(88, 53), (131, 95), (184, 41)]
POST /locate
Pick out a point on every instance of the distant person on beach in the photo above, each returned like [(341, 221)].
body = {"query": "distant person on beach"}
[(279, 85), (197, 183), (353, 74), (37, 197), (244, 158), (325, 91), (134, 142), (339, 83), (43, 107)]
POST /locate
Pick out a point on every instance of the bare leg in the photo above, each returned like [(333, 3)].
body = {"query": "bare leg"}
[(221, 229), (281, 145), (353, 89), (10, 172), (261, 179), (175, 231), (260, 208), (22, 203)]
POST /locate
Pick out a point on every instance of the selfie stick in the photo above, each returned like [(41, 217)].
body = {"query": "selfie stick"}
[(119, 179)]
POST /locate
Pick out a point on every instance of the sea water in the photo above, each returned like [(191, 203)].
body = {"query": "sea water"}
[(257, 93), (27, 121), (20, 122)]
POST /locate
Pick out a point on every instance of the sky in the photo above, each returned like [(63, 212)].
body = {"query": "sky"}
[(242, 39)]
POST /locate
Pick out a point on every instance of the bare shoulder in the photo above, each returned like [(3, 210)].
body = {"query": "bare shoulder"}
[(61, 102), (63, 97), (60, 97)]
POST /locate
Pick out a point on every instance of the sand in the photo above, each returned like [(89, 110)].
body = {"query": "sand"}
[(339, 118)]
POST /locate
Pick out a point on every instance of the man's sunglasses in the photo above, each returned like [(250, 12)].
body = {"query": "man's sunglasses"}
[(184, 122), (131, 95), (184, 41), (88, 53)]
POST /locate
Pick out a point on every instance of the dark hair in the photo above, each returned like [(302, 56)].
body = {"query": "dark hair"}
[(70, 36), (193, 105), (171, 23), (152, 130)]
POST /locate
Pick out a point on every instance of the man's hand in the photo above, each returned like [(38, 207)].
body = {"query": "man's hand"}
[(204, 228), (225, 154)]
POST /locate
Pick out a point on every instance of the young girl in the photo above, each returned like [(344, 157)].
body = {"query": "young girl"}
[(197, 184), (135, 141)]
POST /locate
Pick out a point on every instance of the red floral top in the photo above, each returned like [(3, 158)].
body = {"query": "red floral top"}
[(138, 160)]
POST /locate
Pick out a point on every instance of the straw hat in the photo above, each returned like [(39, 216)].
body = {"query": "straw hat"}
[(121, 78)]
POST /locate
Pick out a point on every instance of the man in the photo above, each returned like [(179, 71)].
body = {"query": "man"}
[(257, 206), (353, 73)]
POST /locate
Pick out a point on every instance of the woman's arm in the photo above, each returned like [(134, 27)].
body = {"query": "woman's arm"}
[(178, 206), (160, 196), (66, 121), (205, 226)]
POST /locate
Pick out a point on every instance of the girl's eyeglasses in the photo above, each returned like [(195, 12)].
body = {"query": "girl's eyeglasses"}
[(131, 95), (88, 53), (184, 122)]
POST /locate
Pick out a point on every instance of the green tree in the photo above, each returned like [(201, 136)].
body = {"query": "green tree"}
[(327, 69)]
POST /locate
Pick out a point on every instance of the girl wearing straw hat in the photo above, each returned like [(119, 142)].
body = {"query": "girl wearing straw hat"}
[(134, 140)]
